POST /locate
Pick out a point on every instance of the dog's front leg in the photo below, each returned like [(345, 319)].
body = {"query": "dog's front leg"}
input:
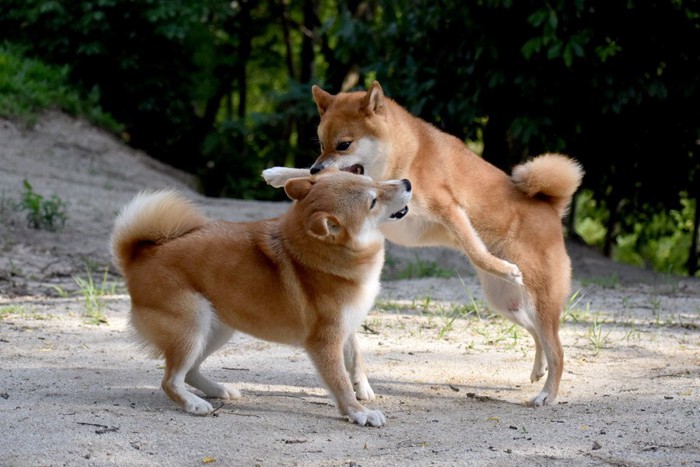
[(355, 367), (278, 176), (327, 356), (473, 246)]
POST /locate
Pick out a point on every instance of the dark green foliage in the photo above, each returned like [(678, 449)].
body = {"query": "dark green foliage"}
[(29, 86), (222, 88), (135, 54)]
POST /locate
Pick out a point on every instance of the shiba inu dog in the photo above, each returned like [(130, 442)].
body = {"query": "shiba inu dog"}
[(307, 278), (508, 226)]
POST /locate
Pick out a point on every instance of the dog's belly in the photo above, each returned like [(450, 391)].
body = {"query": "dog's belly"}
[(415, 231)]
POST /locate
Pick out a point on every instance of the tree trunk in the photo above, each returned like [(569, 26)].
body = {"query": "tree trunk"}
[(610, 233), (244, 50), (692, 264)]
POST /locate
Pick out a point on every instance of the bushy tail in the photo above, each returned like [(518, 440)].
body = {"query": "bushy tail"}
[(550, 176), (151, 217)]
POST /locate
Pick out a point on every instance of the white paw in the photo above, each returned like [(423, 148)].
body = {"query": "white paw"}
[(363, 391), (225, 392), (278, 176), (515, 274), (197, 406), (367, 417), (537, 374), (541, 399)]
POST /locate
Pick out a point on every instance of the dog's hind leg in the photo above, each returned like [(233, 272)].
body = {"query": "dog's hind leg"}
[(177, 364), (355, 367), (515, 304), (187, 342), (218, 336), (547, 330)]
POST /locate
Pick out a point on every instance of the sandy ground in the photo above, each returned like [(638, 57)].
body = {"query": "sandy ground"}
[(451, 377)]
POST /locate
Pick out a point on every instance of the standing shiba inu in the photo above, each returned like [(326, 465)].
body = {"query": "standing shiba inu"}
[(307, 278), (463, 202)]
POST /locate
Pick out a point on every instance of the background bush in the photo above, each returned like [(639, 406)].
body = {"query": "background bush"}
[(222, 89)]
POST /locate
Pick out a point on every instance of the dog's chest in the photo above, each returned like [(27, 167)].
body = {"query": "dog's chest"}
[(417, 229), (355, 310)]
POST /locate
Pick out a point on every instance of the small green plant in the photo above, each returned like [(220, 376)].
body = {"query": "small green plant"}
[(93, 296), (476, 307), (60, 291), (571, 310), (48, 214), (595, 334), (9, 310)]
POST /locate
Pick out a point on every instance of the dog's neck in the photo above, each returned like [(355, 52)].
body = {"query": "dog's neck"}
[(348, 260), (406, 129)]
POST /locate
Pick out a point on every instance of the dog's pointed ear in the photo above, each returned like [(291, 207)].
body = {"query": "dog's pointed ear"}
[(298, 188), (322, 98), (373, 102), (323, 225)]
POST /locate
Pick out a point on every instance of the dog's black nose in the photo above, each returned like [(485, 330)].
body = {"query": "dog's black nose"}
[(315, 170), (407, 184)]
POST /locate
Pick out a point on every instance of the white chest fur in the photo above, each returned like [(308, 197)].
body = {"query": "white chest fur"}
[(355, 311)]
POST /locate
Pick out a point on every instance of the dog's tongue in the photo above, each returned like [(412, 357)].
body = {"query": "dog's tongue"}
[(400, 214)]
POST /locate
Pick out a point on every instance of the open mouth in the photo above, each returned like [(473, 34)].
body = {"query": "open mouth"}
[(355, 169), (400, 214)]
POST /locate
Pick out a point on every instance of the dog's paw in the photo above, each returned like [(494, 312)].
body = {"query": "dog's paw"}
[(537, 374), (541, 399), (278, 176), (515, 275), (197, 406), (225, 392), (538, 370), (367, 417), (363, 391)]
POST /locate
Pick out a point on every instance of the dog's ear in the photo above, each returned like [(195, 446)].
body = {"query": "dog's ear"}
[(298, 188), (322, 225), (373, 102), (322, 98)]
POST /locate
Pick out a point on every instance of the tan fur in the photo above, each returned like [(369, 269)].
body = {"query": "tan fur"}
[(505, 225), (307, 278)]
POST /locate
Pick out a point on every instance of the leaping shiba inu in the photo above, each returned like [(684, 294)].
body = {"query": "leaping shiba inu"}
[(508, 226)]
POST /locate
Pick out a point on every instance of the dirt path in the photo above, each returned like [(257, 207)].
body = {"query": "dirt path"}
[(74, 389)]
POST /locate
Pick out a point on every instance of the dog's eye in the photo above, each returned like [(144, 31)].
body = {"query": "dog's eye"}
[(343, 146), (374, 202)]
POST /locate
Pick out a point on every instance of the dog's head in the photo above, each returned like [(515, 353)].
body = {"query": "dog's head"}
[(353, 131), (341, 208)]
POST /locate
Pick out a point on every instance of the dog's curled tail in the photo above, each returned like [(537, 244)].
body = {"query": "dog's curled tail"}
[(551, 176), (151, 218)]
